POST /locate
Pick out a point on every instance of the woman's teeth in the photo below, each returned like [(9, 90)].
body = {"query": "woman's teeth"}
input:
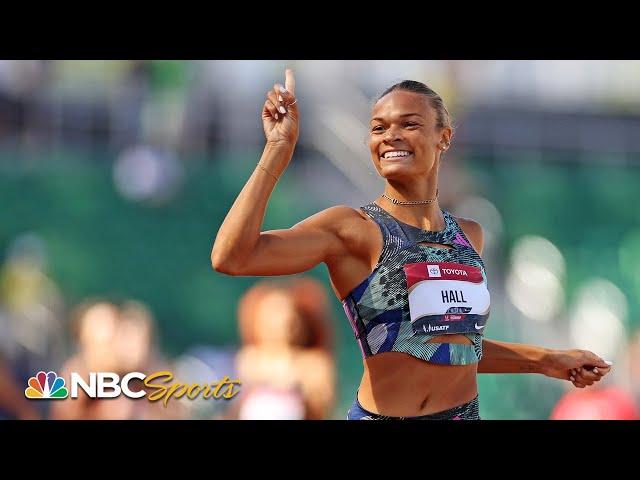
[(396, 154)]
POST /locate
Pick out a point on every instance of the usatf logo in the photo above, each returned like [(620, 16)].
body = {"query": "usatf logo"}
[(433, 271), (434, 328), (46, 385)]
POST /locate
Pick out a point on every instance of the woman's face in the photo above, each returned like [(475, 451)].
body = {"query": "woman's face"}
[(133, 343), (405, 123), (276, 319), (98, 329)]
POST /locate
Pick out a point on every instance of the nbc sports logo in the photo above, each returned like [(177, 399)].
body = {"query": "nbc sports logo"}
[(46, 385), (433, 271), (110, 385)]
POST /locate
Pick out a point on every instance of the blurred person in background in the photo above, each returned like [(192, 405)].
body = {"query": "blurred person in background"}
[(31, 330), (613, 399), (116, 339), (599, 403), (411, 370), (605, 401), (616, 398), (13, 403), (633, 362), (286, 362)]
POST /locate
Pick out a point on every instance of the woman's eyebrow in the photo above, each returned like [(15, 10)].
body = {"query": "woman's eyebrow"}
[(380, 119)]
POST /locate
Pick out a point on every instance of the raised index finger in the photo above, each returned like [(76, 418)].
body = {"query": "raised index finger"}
[(290, 81)]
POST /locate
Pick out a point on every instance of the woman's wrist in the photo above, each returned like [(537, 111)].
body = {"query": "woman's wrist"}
[(276, 157), (546, 360), (280, 147)]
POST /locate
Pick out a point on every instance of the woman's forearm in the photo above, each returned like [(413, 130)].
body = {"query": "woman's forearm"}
[(503, 357), (241, 228)]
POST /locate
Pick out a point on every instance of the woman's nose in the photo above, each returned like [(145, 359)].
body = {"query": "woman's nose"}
[(392, 134)]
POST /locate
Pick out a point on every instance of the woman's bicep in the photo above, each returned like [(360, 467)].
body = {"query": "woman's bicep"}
[(289, 251), (299, 248)]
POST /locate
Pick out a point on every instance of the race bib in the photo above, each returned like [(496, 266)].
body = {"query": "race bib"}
[(446, 298)]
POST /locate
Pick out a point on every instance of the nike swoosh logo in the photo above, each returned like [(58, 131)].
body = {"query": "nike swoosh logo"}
[(479, 328)]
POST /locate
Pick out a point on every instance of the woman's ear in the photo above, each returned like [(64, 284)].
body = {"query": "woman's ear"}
[(447, 135), (445, 138)]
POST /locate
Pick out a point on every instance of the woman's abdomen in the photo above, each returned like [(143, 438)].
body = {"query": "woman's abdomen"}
[(398, 384)]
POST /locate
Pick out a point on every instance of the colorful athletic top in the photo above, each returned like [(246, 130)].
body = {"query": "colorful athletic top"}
[(417, 292)]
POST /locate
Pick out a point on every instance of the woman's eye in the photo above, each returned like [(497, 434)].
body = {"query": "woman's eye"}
[(377, 128), (410, 124)]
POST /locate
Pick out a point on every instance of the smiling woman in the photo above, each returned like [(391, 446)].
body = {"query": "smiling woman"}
[(415, 115), (402, 267)]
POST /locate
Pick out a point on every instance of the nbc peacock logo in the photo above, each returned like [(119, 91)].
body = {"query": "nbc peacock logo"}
[(45, 386)]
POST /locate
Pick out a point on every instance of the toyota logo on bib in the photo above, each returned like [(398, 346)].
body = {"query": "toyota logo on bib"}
[(433, 270)]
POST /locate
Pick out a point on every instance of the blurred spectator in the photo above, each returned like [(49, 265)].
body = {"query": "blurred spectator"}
[(609, 399), (595, 403), (12, 399), (31, 301), (633, 361), (286, 361), (31, 327), (112, 339)]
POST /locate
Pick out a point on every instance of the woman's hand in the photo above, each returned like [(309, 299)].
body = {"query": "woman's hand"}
[(280, 114), (581, 367)]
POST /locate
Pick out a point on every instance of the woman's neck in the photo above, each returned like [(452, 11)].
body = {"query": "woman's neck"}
[(426, 216)]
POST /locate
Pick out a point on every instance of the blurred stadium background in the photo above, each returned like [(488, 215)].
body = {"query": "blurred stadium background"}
[(115, 176)]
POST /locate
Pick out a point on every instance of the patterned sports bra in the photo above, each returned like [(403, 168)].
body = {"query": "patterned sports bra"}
[(417, 292)]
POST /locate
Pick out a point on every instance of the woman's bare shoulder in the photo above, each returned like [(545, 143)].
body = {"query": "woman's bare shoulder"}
[(351, 226), (338, 218), (338, 212), (473, 231)]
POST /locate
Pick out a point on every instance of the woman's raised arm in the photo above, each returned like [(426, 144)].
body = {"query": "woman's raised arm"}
[(240, 247)]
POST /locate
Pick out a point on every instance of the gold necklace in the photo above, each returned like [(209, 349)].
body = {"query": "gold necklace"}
[(411, 202)]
